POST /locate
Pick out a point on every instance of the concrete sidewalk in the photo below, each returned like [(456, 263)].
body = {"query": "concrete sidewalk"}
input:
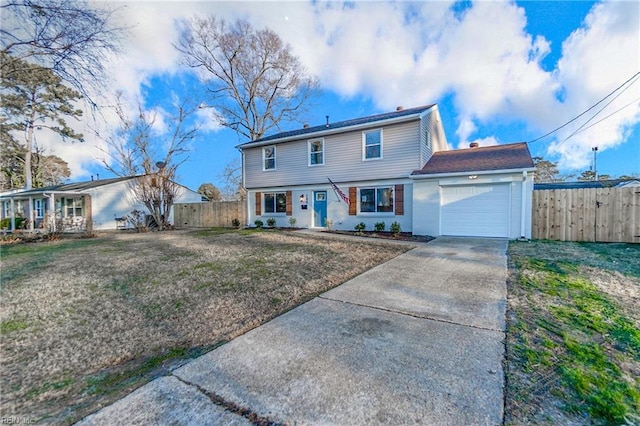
[(417, 340)]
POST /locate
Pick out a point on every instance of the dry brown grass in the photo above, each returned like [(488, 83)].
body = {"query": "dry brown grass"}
[(84, 322)]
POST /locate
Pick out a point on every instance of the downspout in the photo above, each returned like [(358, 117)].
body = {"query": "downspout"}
[(246, 194), (523, 214)]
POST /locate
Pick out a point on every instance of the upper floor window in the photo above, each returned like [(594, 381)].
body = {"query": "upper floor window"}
[(275, 202), (316, 152), (372, 144), (376, 200), (269, 157)]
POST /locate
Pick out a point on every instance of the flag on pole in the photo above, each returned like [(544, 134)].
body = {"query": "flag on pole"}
[(339, 193)]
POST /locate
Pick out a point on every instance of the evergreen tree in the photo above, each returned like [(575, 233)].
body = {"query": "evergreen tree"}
[(32, 98)]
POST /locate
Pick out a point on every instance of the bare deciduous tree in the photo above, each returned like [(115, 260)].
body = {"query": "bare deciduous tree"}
[(232, 177), (69, 37), (255, 80), (138, 150)]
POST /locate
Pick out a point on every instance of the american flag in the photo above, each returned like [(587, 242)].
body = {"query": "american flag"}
[(339, 193)]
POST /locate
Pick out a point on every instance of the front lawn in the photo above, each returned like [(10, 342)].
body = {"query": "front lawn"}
[(85, 321), (573, 333)]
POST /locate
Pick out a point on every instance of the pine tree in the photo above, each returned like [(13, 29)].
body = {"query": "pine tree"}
[(34, 97)]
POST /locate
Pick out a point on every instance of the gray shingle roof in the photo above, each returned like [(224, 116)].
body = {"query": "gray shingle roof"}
[(73, 187), (342, 124), (497, 157)]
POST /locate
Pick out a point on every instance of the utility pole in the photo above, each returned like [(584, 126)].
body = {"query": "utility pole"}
[(595, 168)]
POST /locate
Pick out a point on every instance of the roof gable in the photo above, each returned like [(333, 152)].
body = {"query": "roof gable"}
[(497, 157), (332, 127)]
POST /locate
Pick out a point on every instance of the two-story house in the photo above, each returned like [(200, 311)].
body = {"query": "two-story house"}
[(377, 169)]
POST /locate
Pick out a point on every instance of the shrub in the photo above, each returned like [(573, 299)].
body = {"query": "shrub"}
[(360, 227), (259, 224), (6, 223), (292, 221), (379, 226), (235, 223), (271, 222), (137, 220), (395, 228)]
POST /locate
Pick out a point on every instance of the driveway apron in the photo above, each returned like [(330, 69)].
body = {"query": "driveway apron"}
[(416, 340)]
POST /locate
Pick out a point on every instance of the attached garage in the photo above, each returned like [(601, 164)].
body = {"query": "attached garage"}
[(475, 192), (475, 210)]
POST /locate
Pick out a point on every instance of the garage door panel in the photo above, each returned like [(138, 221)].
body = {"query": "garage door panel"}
[(475, 210)]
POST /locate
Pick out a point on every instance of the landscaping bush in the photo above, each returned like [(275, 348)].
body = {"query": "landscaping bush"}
[(395, 228), (271, 222), (361, 227), (259, 224), (379, 226), (6, 223), (292, 221), (235, 223)]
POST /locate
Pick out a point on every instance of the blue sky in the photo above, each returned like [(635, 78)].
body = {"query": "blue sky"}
[(500, 72)]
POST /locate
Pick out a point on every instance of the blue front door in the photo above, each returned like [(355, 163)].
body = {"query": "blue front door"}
[(319, 208)]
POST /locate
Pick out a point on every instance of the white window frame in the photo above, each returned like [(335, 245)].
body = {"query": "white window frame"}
[(265, 158), (77, 203), (364, 145), (38, 207), (310, 153), (375, 200), (275, 203)]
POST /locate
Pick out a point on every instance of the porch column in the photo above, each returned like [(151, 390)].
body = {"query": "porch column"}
[(13, 216), (523, 212), (31, 215), (51, 200)]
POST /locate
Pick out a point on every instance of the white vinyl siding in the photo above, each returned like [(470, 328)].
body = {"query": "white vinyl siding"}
[(342, 159)]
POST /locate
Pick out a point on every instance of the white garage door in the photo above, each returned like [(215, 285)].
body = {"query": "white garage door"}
[(475, 210)]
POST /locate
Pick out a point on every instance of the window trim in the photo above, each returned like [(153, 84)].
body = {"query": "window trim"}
[(264, 158), (275, 203), (39, 207), (375, 200), (309, 152), (364, 145)]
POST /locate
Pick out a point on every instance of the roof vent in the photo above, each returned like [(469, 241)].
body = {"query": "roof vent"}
[(399, 108), (327, 125), (474, 145), (306, 126)]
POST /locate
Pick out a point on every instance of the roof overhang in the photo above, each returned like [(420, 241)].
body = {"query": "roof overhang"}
[(355, 127), (471, 172), (27, 195)]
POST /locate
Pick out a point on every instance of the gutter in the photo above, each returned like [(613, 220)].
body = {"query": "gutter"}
[(470, 172)]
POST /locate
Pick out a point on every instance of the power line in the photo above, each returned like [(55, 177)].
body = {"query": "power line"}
[(613, 113), (586, 111), (594, 115)]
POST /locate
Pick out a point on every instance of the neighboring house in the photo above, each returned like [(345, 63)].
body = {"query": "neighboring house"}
[(382, 167), (607, 183), (102, 201)]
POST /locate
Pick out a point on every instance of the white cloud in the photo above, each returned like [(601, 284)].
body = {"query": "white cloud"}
[(414, 53)]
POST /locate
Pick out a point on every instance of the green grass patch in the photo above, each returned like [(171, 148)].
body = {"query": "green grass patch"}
[(50, 386), (110, 382), (568, 325), (13, 324)]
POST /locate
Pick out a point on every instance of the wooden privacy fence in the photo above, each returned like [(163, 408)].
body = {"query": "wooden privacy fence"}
[(587, 214), (210, 214)]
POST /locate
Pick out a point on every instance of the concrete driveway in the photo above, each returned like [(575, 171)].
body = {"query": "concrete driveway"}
[(417, 340)]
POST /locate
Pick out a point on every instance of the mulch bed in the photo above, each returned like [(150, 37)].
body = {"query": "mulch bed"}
[(402, 236)]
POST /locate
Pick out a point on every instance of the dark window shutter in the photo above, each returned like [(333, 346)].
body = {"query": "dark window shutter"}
[(258, 203), (399, 200), (289, 204), (353, 200)]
